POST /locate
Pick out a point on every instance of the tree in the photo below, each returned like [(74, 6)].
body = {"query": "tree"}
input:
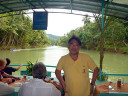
[(86, 19), (16, 30), (115, 34)]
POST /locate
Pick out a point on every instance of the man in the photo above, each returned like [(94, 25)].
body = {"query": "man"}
[(38, 87), (76, 70), (4, 87), (8, 69), (8, 78)]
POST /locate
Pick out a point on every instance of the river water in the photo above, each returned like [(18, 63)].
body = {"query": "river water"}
[(113, 62)]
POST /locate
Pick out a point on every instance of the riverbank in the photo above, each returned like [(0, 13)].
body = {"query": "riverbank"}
[(123, 50), (18, 47)]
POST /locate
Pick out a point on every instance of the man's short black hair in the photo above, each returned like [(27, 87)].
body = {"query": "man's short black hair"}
[(75, 38), (8, 61)]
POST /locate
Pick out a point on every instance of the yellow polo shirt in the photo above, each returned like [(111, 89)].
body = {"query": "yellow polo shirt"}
[(77, 74)]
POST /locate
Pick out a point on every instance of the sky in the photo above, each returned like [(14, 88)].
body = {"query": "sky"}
[(60, 24)]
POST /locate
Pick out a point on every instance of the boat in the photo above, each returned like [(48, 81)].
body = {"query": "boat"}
[(14, 50), (49, 74)]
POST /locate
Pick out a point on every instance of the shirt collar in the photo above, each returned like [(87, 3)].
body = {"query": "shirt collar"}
[(36, 79)]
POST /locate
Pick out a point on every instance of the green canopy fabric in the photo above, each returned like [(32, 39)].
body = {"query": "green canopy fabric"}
[(119, 8)]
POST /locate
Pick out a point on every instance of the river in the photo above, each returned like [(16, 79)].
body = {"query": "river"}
[(113, 62)]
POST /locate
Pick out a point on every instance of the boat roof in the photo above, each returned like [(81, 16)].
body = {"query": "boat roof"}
[(118, 8)]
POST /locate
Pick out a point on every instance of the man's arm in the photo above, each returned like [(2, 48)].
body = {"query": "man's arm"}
[(10, 76), (60, 78), (19, 67), (94, 77)]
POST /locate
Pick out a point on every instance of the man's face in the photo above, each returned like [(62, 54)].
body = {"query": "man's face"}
[(74, 47)]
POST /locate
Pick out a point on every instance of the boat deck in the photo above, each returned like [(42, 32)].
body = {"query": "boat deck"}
[(49, 74)]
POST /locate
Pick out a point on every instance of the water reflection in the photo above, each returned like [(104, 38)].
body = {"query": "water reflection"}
[(53, 54)]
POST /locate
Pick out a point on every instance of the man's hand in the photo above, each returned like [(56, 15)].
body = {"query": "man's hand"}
[(65, 88), (21, 64), (17, 78), (91, 89), (57, 84), (9, 80)]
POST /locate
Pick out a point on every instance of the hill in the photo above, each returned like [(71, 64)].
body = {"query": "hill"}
[(50, 36)]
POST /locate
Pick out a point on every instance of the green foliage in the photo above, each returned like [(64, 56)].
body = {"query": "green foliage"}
[(63, 41), (103, 77), (16, 30), (53, 42), (29, 68), (115, 34), (50, 36), (53, 39)]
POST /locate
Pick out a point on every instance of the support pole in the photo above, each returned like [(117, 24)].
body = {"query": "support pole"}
[(102, 40)]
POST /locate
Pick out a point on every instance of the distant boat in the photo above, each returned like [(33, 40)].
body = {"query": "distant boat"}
[(14, 50)]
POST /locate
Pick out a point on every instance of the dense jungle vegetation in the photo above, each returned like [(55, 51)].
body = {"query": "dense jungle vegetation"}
[(115, 35), (16, 31)]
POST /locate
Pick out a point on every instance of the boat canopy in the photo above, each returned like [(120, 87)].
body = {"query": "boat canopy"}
[(118, 8)]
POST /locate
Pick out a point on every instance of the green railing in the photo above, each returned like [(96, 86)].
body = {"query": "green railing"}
[(24, 72), (106, 74), (49, 72)]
